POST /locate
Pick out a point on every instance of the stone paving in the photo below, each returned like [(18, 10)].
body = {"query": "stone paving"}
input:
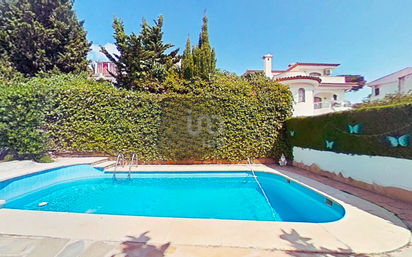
[(15, 245)]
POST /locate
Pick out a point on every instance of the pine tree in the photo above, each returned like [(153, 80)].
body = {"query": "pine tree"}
[(42, 35), (152, 40), (204, 58), (142, 58), (187, 61), (129, 64)]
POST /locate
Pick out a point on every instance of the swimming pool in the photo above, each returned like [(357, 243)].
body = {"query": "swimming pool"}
[(206, 195)]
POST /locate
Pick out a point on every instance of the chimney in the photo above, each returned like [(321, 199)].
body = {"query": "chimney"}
[(267, 65)]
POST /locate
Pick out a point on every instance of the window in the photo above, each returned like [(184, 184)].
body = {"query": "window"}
[(377, 91), (301, 94)]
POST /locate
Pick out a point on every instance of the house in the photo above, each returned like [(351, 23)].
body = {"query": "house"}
[(315, 90), (399, 82), (102, 69)]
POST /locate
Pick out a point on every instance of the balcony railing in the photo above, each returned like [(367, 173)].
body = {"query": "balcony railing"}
[(331, 104)]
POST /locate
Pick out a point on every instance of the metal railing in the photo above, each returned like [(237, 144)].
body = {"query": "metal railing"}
[(331, 104), (120, 159), (131, 164)]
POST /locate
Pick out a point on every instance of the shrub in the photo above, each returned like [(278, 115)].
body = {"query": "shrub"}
[(44, 159), (389, 100), (8, 157)]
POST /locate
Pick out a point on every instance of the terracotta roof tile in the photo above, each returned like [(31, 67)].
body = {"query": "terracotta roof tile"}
[(299, 77)]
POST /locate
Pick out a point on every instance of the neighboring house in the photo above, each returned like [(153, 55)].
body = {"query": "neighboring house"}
[(399, 82), (101, 70), (315, 90)]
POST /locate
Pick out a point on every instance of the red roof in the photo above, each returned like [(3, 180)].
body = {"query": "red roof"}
[(300, 77), (312, 64)]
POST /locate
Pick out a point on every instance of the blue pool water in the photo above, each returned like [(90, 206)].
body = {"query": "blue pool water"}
[(216, 195)]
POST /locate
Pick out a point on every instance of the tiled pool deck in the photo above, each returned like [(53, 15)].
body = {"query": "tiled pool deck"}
[(366, 230)]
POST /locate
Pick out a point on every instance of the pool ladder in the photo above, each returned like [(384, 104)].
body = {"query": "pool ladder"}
[(134, 157), (121, 161)]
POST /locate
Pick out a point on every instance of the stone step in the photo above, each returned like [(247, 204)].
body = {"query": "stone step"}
[(103, 159), (119, 169)]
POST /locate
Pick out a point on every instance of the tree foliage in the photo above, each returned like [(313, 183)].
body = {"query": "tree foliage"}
[(142, 63), (8, 71), (187, 61), (42, 35), (389, 100), (202, 61)]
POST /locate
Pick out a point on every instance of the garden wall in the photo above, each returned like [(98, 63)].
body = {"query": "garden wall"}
[(383, 175), (369, 148)]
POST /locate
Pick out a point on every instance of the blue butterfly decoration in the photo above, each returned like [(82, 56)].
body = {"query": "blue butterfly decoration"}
[(329, 144), (292, 133), (355, 129), (399, 141)]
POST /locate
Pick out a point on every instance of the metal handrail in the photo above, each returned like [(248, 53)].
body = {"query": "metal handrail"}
[(120, 157), (131, 164)]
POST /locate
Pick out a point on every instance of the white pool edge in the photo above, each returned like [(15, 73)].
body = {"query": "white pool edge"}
[(358, 231)]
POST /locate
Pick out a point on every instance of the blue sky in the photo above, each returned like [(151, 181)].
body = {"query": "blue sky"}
[(371, 38)]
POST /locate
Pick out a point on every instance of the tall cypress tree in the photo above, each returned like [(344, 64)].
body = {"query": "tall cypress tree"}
[(187, 61), (206, 53), (41, 35), (204, 58)]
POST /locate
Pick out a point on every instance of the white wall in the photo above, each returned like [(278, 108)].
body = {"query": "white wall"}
[(384, 171), (406, 84), (327, 79), (306, 108), (389, 88)]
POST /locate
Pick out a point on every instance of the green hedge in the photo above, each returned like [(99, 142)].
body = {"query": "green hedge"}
[(376, 126), (78, 115), (92, 117), (22, 118)]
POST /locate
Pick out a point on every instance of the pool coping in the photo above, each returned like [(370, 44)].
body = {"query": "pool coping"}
[(357, 232)]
